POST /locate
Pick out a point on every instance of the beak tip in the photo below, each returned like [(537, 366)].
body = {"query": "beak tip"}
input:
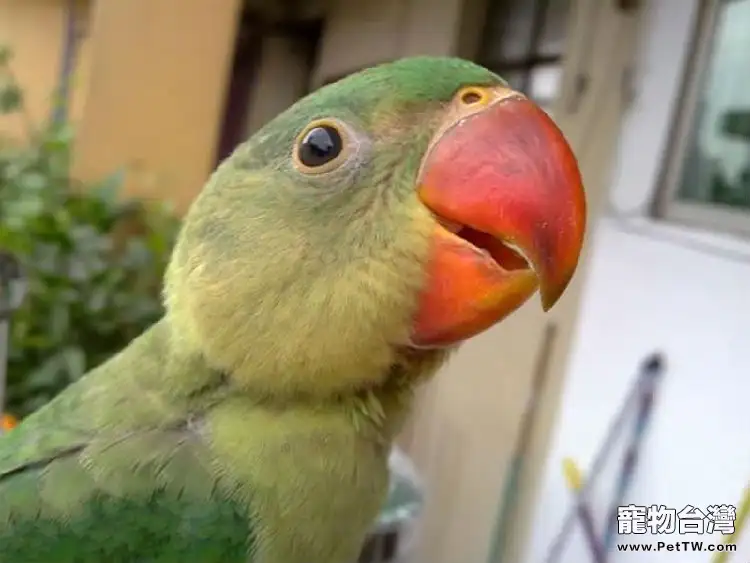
[(551, 293), (548, 303), (555, 275)]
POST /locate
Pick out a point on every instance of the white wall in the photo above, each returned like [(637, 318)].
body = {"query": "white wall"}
[(648, 289)]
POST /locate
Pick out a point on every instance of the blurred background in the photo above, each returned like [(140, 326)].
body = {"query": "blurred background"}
[(114, 113)]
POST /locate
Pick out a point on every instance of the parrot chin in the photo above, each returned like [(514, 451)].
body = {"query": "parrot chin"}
[(504, 188)]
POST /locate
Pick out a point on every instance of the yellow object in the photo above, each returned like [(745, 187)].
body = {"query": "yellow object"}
[(573, 474), (7, 422), (743, 510), (574, 478)]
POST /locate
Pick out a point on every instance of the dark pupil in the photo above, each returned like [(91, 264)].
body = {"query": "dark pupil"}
[(320, 145)]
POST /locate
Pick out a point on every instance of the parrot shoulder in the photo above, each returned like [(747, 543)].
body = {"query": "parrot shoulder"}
[(119, 492), (125, 499)]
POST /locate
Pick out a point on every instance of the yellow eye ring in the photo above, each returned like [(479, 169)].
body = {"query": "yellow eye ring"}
[(321, 146), (473, 96)]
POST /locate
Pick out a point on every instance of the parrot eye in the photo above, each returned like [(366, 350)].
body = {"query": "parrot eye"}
[(319, 145), (319, 148)]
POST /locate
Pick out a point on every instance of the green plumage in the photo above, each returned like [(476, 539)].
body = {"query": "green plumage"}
[(253, 423), (116, 470)]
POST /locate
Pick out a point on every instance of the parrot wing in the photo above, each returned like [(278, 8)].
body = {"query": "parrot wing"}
[(69, 494)]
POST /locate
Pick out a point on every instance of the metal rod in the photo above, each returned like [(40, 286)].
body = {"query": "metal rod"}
[(743, 511), (575, 480), (67, 64), (4, 335), (652, 372), (12, 292), (615, 429)]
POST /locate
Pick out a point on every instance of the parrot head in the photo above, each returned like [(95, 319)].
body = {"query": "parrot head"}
[(396, 212)]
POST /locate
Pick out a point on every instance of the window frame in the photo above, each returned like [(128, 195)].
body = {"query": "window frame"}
[(667, 206), (532, 58)]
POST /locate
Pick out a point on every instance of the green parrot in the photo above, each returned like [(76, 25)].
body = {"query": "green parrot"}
[(329, 265)]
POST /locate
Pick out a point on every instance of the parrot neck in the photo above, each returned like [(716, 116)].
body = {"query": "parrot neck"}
[(378, 414), (384, 408), (376, 409)]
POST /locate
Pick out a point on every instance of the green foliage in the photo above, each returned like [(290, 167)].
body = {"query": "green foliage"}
[(93, 260)]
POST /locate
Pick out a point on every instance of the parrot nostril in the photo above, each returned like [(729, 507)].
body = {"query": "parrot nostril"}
[(471, 98)]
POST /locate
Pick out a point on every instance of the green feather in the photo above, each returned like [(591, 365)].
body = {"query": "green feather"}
[(82, 484), (407, 86), (253, 422)]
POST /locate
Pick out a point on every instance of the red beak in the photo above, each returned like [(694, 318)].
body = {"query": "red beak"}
[(506, 190)]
